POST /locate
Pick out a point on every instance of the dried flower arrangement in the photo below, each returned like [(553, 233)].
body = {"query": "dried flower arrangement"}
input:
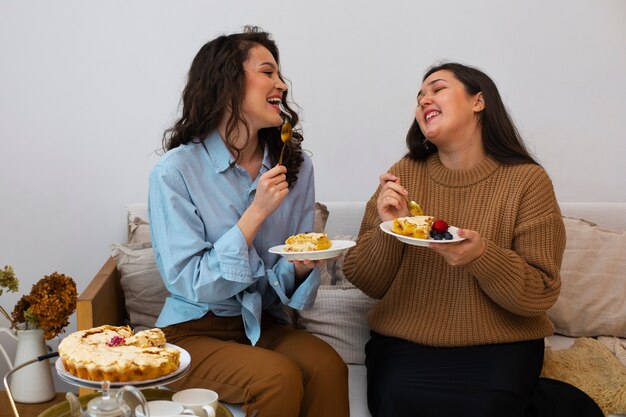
[(48, 306), (8, 281)]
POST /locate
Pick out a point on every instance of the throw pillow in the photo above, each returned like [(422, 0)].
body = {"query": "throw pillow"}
[(339, 316), (593, 282), (591, 367), (144, 290), (138, 231)]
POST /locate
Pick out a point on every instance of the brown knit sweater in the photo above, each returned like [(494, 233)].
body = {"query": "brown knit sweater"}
[(500, 297)]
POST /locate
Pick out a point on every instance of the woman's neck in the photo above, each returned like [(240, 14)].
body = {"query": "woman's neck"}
[(251, 161), (462, 159), (250, 155), (462, 154)]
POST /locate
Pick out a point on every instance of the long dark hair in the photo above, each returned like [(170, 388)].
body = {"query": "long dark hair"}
[(501, 138), (215, 84)]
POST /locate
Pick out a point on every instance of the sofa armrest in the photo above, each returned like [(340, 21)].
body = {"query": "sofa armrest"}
[(102, 302)]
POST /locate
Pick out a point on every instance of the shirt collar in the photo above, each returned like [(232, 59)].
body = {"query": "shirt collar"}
[(267, 161), (218, 153)]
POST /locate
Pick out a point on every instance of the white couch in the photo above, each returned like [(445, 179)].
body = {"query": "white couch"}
[(571, 315)]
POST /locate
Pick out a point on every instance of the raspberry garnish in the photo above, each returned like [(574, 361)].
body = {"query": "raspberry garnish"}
[(116, 341)]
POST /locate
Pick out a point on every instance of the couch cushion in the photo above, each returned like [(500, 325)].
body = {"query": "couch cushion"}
[(339, 316), (593, 293), (144, 291)]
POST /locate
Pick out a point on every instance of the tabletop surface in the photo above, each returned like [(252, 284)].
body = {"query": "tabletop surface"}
[(27, 410)]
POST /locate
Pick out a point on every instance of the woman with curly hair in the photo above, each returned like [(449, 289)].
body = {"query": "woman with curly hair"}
[(218, 200)]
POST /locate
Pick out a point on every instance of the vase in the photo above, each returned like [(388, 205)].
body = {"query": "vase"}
[(33, 383)]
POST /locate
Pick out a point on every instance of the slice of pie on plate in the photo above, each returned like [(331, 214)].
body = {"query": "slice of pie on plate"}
[(414, 226), (306, 242)]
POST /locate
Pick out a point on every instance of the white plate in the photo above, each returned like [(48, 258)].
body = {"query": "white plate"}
[(386, 227), (183, 368), (338, 246)]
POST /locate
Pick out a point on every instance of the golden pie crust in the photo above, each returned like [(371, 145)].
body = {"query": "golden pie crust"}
[(116, 354), (414, 226), (305, 242)]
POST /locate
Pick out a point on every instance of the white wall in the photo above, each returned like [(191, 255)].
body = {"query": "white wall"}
[(87, 88)]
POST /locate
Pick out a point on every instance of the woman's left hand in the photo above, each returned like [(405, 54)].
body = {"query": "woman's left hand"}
[(463, 252), (303, 268)]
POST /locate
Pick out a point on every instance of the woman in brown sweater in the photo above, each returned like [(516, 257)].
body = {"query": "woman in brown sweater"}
[(460, 327)]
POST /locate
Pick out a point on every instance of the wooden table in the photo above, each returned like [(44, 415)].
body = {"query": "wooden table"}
[(27, 410)]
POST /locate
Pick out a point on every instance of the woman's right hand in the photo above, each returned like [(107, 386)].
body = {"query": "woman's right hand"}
[(272, 189), (391, 202)]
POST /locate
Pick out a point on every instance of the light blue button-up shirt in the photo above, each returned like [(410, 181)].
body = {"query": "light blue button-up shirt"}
[(196, 197)]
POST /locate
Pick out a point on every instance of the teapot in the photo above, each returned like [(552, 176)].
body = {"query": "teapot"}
[(107, 406)]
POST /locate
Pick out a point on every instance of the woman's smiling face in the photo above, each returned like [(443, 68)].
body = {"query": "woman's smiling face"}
[(445, 110), (263, 90)]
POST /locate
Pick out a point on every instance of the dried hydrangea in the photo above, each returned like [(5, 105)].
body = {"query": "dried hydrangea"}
[(8, 281), (48, 306)]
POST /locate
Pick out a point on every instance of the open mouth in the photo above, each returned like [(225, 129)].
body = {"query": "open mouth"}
[(431, 115), (274, 101)]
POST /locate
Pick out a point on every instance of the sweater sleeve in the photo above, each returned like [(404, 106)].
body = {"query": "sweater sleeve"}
[(525, 279), (373, 263)]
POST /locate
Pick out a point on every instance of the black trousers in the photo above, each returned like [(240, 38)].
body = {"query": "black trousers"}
[(405, 379)]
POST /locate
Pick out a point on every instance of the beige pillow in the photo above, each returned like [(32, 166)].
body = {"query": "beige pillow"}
[(138, 231), (593, 282), (339, 316), (144, 291), (591, 367)]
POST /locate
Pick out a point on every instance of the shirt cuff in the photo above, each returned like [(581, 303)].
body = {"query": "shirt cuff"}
[(282, 281)]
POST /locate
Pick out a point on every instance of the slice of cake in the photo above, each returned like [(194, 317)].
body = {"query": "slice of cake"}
[(116, 354), (306, 242), (414, 226)]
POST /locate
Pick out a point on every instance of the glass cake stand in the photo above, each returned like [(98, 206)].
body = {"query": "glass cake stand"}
[(105, 404)]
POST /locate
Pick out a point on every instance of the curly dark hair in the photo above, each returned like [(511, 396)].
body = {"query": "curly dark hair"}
[(501, 138), (215, 84)]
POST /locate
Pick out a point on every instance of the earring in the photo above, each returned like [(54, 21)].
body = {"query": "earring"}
[(426, 144)]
